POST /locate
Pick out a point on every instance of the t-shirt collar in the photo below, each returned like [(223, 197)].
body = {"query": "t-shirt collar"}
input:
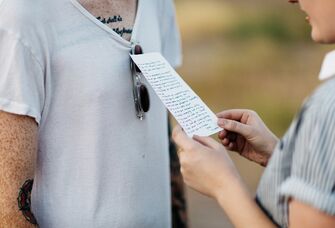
[(328, 66)]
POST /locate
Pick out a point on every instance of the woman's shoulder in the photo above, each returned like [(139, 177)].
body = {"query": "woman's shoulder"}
[(313, 132), (314, 126), (322, 101)]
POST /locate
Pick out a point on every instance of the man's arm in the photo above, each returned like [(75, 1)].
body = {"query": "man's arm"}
[(18, 150), (179, 210)]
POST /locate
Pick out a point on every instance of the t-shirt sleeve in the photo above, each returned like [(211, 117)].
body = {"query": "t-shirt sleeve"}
[(21, 78), (312, 179), (171, 43)]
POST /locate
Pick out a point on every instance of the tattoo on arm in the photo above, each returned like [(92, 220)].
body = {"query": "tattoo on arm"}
[(24, 201)]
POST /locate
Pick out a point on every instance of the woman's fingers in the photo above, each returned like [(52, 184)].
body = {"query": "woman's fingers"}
[(235, 126), (225, 141), (233, 114), (229, 144), (232, 146), (180, 137), (226, 134), (222, 134), (183, 141), (207, 141)]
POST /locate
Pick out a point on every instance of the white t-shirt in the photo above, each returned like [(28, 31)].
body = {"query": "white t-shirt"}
[(98, 165)]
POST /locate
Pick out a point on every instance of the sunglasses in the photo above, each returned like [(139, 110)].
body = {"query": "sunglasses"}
[(140, 91)]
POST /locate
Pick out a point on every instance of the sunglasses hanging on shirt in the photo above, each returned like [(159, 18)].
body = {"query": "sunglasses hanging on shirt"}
[(140, 91)]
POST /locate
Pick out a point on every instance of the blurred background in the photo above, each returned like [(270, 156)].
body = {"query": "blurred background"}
[(246, 54)]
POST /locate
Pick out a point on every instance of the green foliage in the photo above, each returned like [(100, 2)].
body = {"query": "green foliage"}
[(270, 26)]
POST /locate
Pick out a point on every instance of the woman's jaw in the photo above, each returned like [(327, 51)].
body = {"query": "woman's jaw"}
[(321, 17), (322, 34)]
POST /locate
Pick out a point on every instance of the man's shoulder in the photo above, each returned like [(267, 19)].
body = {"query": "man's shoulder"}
[(19, 14), (27, 20), (165, 7)]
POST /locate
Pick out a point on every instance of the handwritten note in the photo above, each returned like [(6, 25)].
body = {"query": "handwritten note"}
[(188, 109)]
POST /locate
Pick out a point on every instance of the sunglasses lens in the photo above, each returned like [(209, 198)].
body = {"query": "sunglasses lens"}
[(144, 98), (141, 95), (138, 50)]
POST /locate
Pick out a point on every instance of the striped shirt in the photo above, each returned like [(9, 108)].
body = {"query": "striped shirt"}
[(303, 163)]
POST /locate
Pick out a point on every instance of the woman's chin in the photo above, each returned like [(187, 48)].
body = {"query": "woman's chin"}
[(318, 37)]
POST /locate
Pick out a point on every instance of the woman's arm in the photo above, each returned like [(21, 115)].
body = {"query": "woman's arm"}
[(303, 215), (241, 207), (18, 147), (207, 168), (244, 212)]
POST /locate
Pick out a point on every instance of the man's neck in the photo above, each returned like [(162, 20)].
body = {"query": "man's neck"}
[(119, 15)]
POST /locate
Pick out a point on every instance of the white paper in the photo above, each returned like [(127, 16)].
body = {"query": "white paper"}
[(189, 110)]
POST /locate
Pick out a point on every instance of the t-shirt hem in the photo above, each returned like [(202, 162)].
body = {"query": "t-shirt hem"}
[(298, 189), (19, 108)]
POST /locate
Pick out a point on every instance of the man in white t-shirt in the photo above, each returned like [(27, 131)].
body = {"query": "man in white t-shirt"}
[(66, 101)]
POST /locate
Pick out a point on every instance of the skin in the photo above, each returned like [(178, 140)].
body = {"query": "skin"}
[(109, 8), (207, 167), (257, 142), (18, 149), (321, 17)]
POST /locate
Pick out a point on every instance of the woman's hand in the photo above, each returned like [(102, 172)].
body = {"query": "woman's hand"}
[(207, 168), (245, 133), (205, 164)]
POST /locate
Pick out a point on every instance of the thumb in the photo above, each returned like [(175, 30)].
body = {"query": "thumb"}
[(180, 137), (235, 126)]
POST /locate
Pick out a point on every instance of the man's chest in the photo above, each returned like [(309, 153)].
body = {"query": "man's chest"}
[(119, 15)]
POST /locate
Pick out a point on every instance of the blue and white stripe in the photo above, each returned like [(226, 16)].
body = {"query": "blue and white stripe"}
[(302, 166)]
